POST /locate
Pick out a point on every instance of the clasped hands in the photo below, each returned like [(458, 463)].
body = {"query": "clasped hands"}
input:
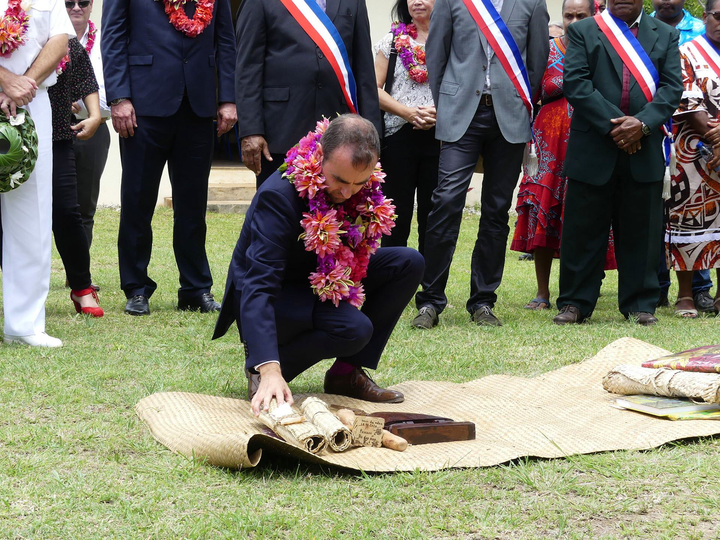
[(422, 117), (18, 91), (627, 133)]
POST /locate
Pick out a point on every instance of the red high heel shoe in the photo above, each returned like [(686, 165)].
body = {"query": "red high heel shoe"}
[(92, 311)]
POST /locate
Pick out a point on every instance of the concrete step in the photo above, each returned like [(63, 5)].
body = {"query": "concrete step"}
[(230, 174), (220, 207), (238, 191)]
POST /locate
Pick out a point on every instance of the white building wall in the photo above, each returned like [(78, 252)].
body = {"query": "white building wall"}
[(379, 11)]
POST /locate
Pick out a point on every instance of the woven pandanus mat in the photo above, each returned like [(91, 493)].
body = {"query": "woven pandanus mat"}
[(557, 414)]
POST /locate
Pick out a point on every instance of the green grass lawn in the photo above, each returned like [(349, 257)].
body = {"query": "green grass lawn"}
[(75, 461)]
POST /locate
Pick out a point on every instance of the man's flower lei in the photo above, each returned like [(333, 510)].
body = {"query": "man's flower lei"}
[(179, 19), (413, 57), (13, 27), (343, 236), (88, 48)]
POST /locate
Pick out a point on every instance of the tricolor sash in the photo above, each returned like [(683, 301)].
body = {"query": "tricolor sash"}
[(318, 26), (708, 51), (503, 44), (630, 52)]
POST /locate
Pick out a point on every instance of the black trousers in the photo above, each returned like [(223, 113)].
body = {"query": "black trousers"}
[(67, 226), (90, 159), (502, 161), (268, 167), (185, 142), (634, 209), (410, 159), (344, 332)]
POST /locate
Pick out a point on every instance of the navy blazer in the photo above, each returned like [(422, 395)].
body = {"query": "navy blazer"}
[(147, 60), (269, 258), (283, 82)]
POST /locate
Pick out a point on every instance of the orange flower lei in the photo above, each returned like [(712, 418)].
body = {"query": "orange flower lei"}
[(13, 27), (179, 19)]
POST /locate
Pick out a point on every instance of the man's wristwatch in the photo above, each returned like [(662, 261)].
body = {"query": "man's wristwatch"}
[(118, 101), (645, 129)]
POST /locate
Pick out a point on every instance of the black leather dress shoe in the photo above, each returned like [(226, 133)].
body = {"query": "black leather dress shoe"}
[(137, 305), (359, 385), (644, 318), (205, 303), (568, 315), (253, 383)]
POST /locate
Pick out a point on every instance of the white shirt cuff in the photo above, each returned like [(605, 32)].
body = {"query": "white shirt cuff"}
[(268, 362)]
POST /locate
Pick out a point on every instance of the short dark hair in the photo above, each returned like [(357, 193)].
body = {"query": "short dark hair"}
[(591, 6), (354, 131), (400, 12), (709, 5)]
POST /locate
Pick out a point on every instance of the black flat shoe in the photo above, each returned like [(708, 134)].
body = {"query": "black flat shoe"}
[(205, 303), (137, 305)]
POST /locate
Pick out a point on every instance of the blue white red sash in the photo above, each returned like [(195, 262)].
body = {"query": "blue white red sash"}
[(322, 31), (708, 51), (503, 45), (630, 52)]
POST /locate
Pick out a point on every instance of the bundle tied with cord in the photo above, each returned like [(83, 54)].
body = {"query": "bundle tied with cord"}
[(338, 436), (628, 380), (18, 149)]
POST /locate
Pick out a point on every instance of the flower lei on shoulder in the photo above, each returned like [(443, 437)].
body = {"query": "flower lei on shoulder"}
[(343, 236), (179, 19), (412, 56), (92, 31), (13, 27)]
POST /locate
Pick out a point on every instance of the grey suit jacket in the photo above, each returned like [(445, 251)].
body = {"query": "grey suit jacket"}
[(457, 65)]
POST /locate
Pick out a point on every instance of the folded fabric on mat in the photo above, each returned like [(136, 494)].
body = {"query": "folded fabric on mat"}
[(559, 413)]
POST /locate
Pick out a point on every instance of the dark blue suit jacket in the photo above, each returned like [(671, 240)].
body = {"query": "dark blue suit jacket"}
[(283, 82), (269, 259), (147, 60)]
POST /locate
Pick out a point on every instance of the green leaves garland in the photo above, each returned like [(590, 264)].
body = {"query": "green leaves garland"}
[(18, 149)]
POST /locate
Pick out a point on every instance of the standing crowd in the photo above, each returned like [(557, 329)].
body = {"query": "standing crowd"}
[(614, 124)]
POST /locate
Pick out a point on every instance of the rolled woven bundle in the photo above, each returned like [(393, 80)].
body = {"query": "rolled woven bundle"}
[(304, 435), (18, 149), (338, 436), (627, 380)]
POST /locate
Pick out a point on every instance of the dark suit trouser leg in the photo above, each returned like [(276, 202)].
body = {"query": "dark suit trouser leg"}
[(143, 158), (457, 164), (90, 159), (268, 167), (637, 226), (189, 168), (354, 336)]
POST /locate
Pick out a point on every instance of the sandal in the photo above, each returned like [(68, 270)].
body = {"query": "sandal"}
[(686, 313), (542, 303)]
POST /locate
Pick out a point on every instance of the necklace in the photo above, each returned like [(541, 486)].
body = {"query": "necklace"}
[(343, 236), (13, 27), (412, 56), (88, 48), (179, 19)]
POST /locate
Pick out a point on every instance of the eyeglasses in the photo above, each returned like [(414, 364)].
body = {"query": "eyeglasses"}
[(714, 14), (82, 3)]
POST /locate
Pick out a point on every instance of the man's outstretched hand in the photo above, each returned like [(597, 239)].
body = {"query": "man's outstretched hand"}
[(272, 385)]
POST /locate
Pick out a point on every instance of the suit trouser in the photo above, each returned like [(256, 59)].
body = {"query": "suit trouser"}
[(27, 238), (185, 142), (502, 161), (268, 167), (410, 159), (355, 336), (90, 159), (70, 237), (634, 210)]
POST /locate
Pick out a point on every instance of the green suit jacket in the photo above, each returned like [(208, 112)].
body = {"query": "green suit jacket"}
[(592, 83)]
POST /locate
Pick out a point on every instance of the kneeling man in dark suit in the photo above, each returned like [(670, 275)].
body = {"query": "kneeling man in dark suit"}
[(307, 280)]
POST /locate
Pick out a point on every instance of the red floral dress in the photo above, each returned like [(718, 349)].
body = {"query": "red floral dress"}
[(541, 198)]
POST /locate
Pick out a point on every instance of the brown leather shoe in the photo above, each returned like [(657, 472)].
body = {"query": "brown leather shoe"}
[(253, 383), (644, 318), (359, 385), (568, 315)]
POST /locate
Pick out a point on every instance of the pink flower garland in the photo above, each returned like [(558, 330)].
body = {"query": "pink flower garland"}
[(179, 19), (413, 57), (13, 27), (88, 48), (343, 236)]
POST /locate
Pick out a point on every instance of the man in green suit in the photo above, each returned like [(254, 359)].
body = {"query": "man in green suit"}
[(615, 165)]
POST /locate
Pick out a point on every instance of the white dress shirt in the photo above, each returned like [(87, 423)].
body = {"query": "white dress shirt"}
[(96, 61)]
